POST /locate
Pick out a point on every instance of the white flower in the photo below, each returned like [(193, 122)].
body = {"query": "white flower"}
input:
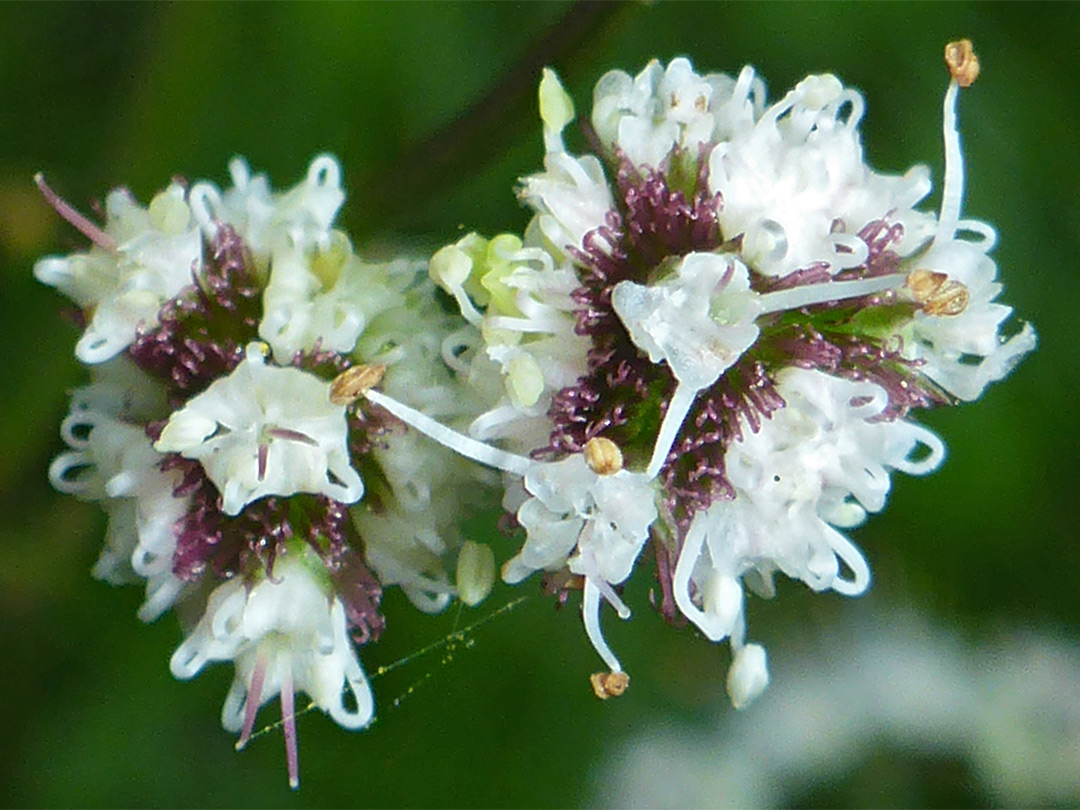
[(592, 520), (323, 296), (571, 198), (603, 520), (316, 290), (699, 320), (300, 217), (661, 109), (285, 633), (819, 462), (409, 527), (585, 512), (265, 430), (406, 549), (112, 460), (796, 186), (144, 257), (963, 351)]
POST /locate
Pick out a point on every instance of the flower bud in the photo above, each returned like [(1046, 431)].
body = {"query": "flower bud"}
[(748, 676), (475, 572)]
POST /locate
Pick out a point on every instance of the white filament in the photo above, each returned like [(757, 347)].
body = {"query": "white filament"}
[(678, 408), (590, 610), (809, 294), (952, 193), (470, 448)]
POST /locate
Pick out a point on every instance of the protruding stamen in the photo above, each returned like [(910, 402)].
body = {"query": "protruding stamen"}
[(807, 295), (962, 61), (590, 613), (470, 448), (288, 715), (251, 702), (964, 67), (609, 684), (352, 383), (603, 456), (73, 217)]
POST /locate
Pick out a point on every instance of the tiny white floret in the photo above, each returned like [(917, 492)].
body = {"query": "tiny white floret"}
[(265, 430)]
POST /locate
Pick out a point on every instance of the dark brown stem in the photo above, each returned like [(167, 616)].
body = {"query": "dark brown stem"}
[(425, 167)]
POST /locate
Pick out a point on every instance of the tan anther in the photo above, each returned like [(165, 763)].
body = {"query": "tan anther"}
[(950, 299), (938, 294), (350, 385), (603, 456), (962, 61), (609, 684), (924, 283)]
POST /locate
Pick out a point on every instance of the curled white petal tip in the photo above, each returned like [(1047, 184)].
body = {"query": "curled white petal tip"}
[(748, 676)]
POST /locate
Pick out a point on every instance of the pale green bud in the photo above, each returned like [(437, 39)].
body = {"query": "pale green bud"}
[(475, 572)]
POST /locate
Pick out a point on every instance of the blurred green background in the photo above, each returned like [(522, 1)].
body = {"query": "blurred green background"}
[(431, 108)]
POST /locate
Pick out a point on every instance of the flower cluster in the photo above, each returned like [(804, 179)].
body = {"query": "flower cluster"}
[(243, 479), (729, 298), (706, 349)]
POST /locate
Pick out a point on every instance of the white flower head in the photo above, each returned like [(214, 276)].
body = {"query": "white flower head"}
[(265, 430), (286, 633), (699, 321), (141, 258)]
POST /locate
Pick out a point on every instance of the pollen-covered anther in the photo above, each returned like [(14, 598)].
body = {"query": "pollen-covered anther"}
[(609, 684), (351, 384), (938, 294), (603, 456), (962, 61)]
